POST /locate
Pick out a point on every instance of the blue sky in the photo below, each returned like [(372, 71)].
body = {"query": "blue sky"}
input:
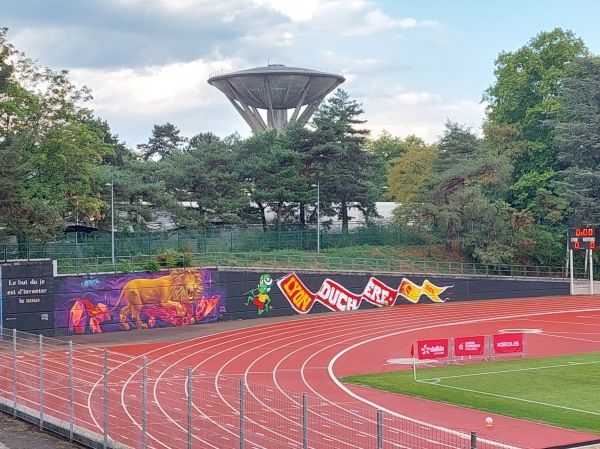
[(411, 64)]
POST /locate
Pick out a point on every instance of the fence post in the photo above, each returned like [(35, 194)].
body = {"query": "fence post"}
[(242, 413), (473, 440), (144, 399), (41, 340), (189, 395), (304, 421), (14, 372), (71, 391), (379, 430), (105, 396)]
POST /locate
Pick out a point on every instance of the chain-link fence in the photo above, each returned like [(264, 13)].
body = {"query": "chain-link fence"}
[(224, 239), (104, 399), (255, 247)]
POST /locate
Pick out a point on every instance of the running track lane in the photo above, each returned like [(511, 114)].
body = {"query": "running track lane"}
[(307, 355)]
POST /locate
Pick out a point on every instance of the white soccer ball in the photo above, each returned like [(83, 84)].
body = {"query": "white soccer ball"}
[(489, 421)]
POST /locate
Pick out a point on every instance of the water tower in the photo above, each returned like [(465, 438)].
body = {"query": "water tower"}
[(276, 88)]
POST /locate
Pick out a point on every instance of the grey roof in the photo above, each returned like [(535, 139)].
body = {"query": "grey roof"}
[(276, 86)]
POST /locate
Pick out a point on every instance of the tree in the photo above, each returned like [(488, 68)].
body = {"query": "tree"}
[(389, 147), (204, 178), (409, 173), (44, 129), (464, 197), (525, 95), (350, 176), (164, 142), (458, 143), (272, 176), (577, 139)]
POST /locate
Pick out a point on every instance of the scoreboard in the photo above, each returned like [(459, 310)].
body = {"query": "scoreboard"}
[(582, 238)]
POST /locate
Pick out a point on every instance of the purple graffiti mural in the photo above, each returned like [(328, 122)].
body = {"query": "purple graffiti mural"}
[(108, 303)]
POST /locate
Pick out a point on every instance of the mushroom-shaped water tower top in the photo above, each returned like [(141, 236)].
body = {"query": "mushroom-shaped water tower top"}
[(276, 88)]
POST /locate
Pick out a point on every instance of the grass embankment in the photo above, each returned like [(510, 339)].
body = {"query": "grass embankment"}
[(560, 391), (356, 258)]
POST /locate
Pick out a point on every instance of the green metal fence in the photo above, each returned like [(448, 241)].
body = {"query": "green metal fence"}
[(252, 248), (307, 262), (212, 240)]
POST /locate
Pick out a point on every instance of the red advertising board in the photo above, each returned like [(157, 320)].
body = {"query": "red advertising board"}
[(507, 343), (432, 349), (469, 346)]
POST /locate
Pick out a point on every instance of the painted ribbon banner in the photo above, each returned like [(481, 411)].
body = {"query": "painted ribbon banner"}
[(413, 292), (300, 297), (432, 349), (507, 343), (338, 298), (376, 292), (469, 346)]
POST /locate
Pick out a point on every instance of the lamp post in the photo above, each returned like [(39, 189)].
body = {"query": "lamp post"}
[(318, 186), (112, 220)]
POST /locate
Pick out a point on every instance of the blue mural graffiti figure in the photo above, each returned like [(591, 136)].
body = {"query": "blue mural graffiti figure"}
[(260, 296)]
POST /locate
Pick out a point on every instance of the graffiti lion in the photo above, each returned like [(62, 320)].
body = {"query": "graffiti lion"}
[(166, 292)]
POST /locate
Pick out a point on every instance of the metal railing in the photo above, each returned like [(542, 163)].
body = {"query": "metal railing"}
[(103, 399), (309, 262), (232, 70)]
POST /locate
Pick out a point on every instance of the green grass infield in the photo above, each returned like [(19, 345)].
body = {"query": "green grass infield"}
[(560, 391)]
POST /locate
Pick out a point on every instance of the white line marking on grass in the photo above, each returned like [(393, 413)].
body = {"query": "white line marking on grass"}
[(516, 399), (511, 370)]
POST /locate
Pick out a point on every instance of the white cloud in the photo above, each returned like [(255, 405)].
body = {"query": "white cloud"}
[(155, 56), (297, 10), (165, 88), (423, 114)]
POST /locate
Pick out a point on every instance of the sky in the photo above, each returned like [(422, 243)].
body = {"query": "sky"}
[(412, 65)]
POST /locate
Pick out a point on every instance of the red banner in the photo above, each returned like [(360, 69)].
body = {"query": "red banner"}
[(432, 349), (469, 346), (337, 298), (300, 297), (376, 292), (507, 343)]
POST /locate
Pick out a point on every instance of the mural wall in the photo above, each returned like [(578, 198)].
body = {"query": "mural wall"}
[(33, 300), (109, 303)]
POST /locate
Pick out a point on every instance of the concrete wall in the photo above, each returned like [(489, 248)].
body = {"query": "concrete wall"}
[(34, 300)]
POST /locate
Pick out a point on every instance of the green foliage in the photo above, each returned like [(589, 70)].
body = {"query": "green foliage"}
[(169, 258), (164, 142), (125, 267), (577, 130), (180, 257), (408, 173), (388, 147), (152, 266), (528, 80), (501, 198), (351, 177), (463, 200), (524, 97), (205, 178)]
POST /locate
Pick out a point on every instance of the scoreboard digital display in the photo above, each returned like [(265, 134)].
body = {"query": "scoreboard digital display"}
[(582, 238)]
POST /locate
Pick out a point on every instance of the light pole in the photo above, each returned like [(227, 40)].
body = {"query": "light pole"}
[(112, 220), (318, 186)]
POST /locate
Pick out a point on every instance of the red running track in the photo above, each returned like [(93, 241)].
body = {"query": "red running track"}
[(282, 360)]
